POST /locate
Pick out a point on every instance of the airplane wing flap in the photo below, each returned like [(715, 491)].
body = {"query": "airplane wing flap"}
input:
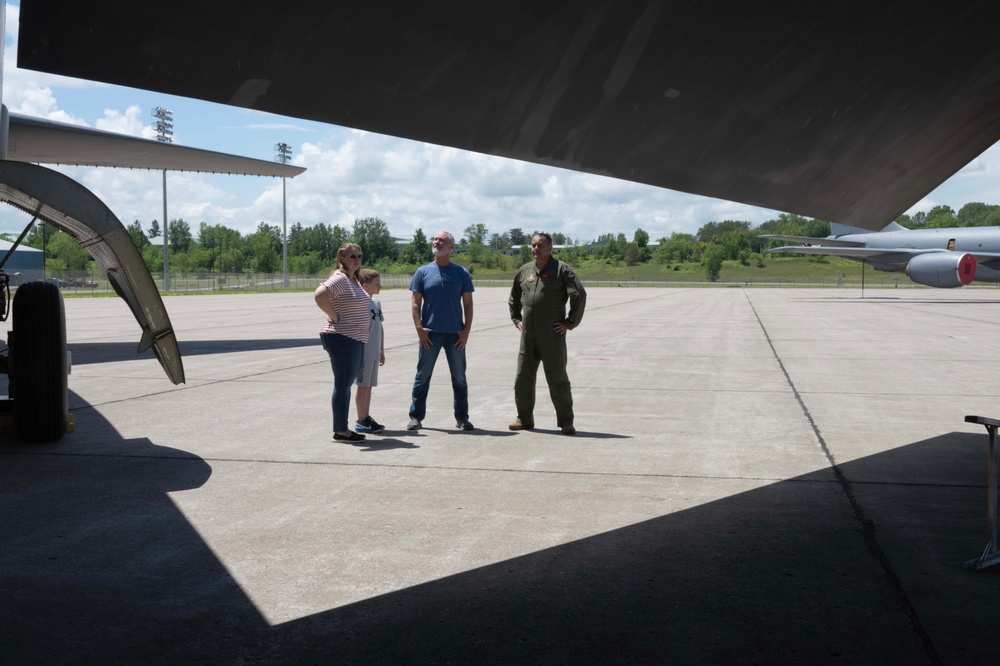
[(810, 240)]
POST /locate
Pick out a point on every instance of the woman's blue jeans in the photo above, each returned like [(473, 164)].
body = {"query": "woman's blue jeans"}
[(345, 358), (426, 358)]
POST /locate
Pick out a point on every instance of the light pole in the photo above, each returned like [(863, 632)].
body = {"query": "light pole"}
[(164, 131), (284, 154)]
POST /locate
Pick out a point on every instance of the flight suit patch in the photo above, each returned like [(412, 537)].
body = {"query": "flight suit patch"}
[(544, 276)]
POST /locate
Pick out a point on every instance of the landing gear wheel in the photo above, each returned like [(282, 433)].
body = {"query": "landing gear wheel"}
[(38, 365)]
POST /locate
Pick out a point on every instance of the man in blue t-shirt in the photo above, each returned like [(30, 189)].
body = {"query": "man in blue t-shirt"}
[(442, 298)]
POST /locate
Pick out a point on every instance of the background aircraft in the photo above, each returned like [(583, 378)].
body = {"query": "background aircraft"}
[(36, 359), (934, 257)]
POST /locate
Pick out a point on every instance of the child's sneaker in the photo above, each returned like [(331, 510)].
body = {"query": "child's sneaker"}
[(368, 424)]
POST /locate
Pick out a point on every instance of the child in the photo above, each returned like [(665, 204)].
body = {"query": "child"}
[(374, 354)]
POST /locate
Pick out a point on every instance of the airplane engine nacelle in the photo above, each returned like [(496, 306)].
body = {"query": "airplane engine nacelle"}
[(942, 269)]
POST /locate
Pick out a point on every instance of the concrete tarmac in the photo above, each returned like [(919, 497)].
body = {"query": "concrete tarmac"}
[(760, 476)]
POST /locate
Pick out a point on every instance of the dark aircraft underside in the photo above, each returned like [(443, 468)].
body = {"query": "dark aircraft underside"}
[(849, 112)]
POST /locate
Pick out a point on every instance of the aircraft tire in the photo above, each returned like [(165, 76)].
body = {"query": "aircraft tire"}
[(38, 364)]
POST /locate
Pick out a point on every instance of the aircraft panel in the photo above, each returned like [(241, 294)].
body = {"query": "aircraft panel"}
[(849, 112)]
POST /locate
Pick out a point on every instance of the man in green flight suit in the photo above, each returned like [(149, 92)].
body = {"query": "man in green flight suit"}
[(538, 309)]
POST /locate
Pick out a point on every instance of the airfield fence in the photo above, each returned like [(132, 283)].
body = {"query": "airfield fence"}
[(77, 283)]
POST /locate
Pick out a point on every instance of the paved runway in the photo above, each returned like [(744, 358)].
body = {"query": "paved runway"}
[(761, 476)]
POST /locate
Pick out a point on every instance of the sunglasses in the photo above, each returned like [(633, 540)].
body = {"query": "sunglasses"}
[(354, 256)]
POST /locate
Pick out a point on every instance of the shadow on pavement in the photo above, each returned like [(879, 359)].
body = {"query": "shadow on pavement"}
[(109, 352), (98, 565)]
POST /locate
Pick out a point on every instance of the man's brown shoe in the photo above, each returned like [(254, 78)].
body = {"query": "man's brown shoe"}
[(517, 425), (568, 429)]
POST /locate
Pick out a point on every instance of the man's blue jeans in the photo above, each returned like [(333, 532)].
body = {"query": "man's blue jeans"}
[(426, 358), (345, 358)]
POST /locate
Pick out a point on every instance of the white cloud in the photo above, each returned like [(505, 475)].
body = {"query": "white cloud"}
[(126, 123)]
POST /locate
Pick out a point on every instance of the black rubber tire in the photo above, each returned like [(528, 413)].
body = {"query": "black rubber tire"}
[(38, 365)]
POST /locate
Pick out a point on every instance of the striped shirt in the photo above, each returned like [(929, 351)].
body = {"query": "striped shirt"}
[(352, 304)]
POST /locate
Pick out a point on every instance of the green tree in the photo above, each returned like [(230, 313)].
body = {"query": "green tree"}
[(978, 215), (417, 251), (322, 239), (67, 252), (138, 235), (940, 217), (632, 255), (183, 262), (377, 244), (640, 238), (179, 233), (476, 252), (154, 229), (225, 246), (263, 248), (678, 249), (476, 233), (153, 256), (734, 242), (716, 230), (39, 235), (309, 263), (712, 259), (611, 247), (517, 237)]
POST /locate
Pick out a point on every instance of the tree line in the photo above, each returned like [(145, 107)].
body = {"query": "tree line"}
[(312, 250)]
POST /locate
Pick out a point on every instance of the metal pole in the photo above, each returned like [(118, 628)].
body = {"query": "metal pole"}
[(284, 234), (166, 238), (164, 131), (284, 154)]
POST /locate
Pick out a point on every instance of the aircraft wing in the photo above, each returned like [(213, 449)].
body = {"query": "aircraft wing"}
[(879, 254), (870, 254), (812, 240), (988, 259), (844, 112), (46, 142)]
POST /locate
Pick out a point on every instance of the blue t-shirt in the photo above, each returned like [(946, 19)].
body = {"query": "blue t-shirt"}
[(441, 288)]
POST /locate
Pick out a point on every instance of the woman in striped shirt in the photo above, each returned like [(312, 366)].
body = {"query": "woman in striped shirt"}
[(344, 336)]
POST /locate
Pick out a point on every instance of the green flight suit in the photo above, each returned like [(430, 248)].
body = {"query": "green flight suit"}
[(538, 300)]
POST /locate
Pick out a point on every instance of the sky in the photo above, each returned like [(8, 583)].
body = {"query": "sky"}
[(353, 174)]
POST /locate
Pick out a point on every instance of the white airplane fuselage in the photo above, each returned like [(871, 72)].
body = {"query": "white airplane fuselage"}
[(948, 257)]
